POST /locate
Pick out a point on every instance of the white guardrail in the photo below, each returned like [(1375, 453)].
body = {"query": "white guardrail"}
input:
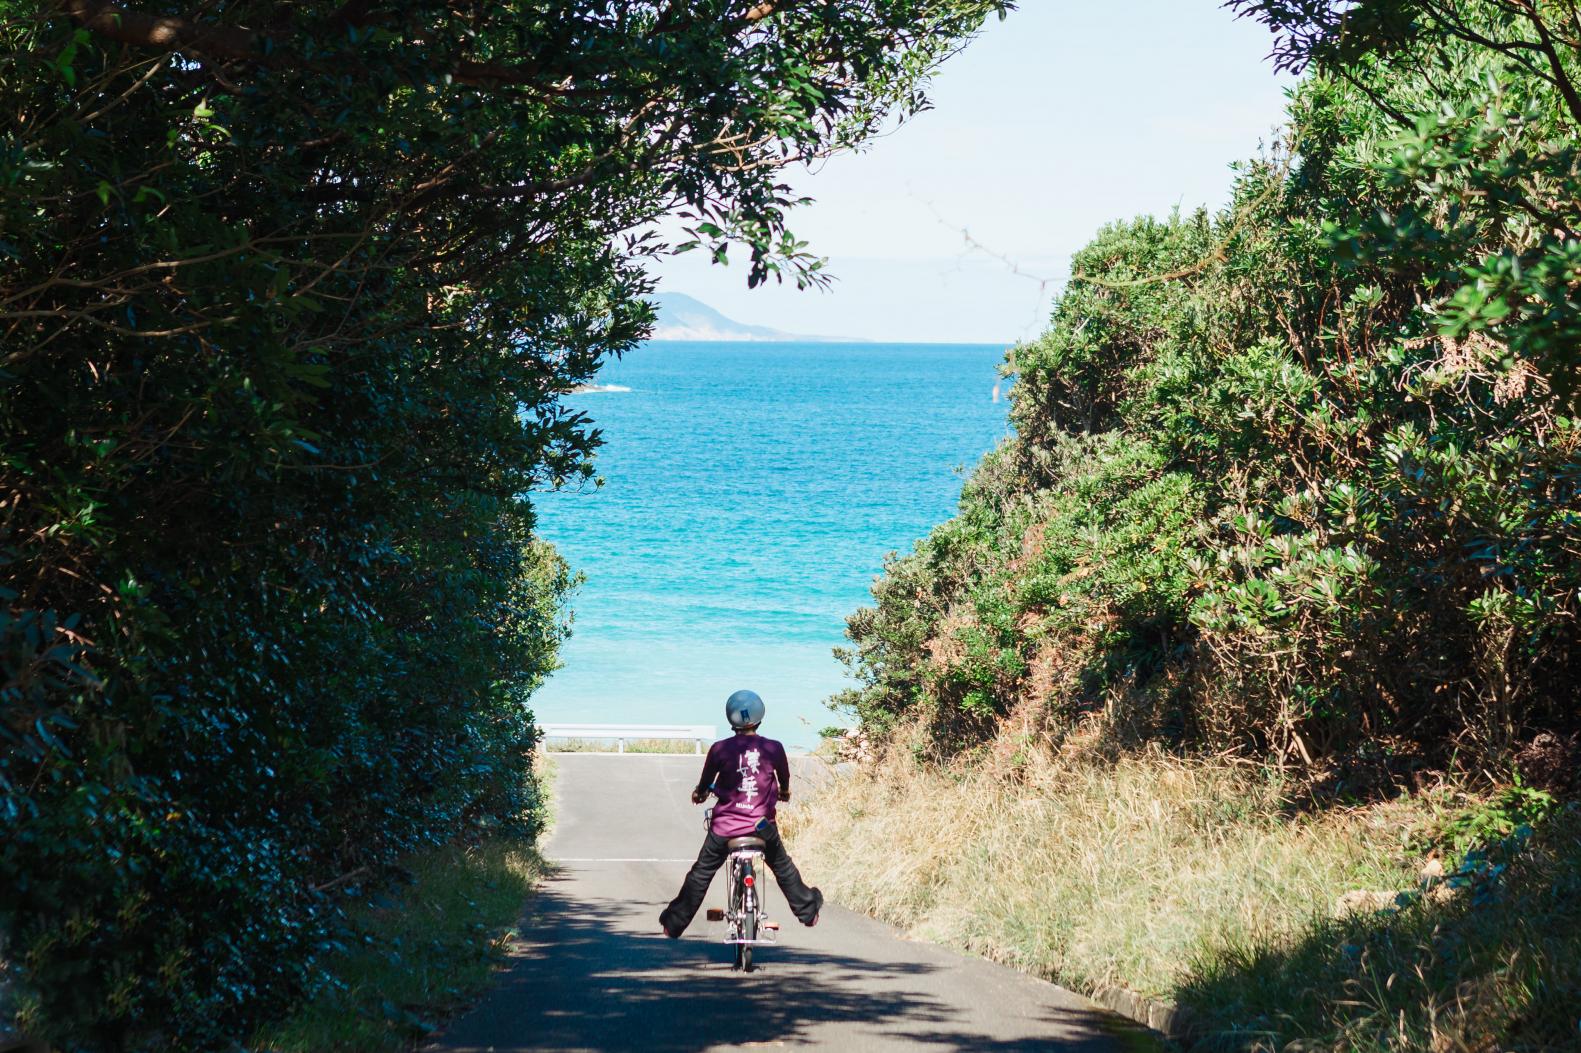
[(701, 734)]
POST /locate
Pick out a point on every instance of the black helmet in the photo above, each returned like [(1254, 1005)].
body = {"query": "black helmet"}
[(744, 709)]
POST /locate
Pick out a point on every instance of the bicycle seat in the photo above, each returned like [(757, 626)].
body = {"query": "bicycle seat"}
[(745, 842)]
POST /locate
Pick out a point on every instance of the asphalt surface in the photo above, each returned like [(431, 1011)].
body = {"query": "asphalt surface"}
[(593, 973)]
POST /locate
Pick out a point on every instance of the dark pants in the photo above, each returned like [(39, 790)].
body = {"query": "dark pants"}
[(804, 902)]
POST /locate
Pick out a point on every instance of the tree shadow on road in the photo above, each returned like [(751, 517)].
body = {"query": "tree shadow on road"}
[(584, 981)]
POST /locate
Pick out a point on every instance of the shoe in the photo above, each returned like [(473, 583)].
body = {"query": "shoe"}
[(817, 912)]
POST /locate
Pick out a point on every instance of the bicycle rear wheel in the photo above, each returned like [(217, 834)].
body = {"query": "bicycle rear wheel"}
[(749, 931)]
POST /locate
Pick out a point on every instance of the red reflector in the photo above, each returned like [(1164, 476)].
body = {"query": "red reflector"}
[(747, 881)]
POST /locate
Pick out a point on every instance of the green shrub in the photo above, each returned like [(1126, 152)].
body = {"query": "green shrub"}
[(1300, 479)]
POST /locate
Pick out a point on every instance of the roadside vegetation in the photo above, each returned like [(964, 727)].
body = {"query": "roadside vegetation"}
[(1100, 873), (1193, 882), (418, 948), (289, 305), (1273, 595), (413, 952)]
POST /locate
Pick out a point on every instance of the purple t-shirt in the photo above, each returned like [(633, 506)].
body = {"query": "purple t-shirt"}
[(749, 773)]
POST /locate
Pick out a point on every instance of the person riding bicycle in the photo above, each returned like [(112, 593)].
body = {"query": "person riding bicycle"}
[(750, 775)]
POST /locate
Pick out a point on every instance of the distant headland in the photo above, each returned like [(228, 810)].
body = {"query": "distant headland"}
[(682, 317)]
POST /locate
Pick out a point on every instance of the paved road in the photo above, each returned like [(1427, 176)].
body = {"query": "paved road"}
[(593, 973)]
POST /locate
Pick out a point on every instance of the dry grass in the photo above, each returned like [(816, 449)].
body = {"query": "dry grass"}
[(1121, 872), (1193, 882), (1498, 971)]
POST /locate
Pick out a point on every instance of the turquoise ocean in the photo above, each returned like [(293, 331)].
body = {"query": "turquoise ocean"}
[(751, 492)]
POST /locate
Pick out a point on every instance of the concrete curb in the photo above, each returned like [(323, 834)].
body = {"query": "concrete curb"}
[(1173, 1022)]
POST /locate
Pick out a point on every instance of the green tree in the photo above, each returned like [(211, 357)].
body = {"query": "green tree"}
[(1498, 212), (289, 298)]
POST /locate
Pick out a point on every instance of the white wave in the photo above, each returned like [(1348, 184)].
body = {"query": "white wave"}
[(598, 389)]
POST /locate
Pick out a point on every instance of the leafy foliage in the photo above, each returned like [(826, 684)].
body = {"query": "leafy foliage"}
[(1515, 807), (1299, 479), (289, 299)]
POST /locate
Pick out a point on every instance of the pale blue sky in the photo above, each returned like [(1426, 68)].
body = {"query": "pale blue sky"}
[(1063, 117)]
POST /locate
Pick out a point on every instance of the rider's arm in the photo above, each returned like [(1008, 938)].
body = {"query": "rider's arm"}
[(782, 773), (710, 773)]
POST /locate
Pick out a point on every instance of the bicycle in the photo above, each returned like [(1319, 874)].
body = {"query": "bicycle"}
[(746, 922)]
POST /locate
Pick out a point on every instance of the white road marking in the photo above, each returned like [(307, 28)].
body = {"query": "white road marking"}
[(618, 860)]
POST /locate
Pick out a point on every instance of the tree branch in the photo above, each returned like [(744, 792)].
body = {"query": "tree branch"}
[(124, 25), (114, 22), (1561, 78)]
